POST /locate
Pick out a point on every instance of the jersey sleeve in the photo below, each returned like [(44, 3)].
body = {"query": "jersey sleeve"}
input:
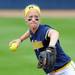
[(47, 28)]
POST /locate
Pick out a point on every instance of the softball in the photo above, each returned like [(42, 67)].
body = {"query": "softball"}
[(13, 47)]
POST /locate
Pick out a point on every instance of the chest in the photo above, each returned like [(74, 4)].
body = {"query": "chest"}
[(39, 36)]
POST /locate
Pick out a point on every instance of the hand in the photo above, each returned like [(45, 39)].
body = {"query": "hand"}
[(17, 41), (47, 58), (52, 50)]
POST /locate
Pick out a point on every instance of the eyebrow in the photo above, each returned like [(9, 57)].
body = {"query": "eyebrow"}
[(30, 16), (34, 16)]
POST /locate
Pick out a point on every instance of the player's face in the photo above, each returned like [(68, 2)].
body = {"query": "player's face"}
[(33, 20)]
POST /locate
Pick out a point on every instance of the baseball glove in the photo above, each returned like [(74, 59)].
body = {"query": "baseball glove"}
[(47, 58)]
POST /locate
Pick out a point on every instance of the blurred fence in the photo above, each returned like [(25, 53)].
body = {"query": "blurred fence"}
[(44, 4), (45, 13)]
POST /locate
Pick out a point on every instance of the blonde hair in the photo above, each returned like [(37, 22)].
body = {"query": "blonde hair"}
[(31, 7)]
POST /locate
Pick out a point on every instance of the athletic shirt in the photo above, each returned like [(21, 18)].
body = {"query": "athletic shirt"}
[(40, 42)]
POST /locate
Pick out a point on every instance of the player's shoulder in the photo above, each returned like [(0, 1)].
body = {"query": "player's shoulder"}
[(43, 28), (45, 25)]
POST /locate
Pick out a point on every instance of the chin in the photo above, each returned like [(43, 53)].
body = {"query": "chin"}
[(34, 30)]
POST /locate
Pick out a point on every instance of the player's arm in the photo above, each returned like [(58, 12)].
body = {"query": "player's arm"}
[(54, 35), (19, 40), (25, 36), (48, 57)]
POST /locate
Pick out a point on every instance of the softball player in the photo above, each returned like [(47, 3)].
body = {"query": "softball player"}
[(43, 36)]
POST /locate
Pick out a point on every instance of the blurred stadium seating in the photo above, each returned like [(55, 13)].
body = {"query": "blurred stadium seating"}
[(44, 4)]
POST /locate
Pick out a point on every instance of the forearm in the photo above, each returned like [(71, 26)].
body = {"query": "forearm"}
[(24, 36), (19, 40), (54, 35)]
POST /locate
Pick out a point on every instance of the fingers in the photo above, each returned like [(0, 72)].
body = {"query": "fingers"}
[(13, 41), (17, 41)]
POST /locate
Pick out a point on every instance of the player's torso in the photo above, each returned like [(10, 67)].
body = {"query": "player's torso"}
[(39, 37), (40, 42)]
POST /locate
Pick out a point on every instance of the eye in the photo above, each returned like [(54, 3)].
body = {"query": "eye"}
[(29, 19), (36, 19)]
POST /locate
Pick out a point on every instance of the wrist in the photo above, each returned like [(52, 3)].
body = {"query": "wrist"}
[(19, 40), (52, 47)]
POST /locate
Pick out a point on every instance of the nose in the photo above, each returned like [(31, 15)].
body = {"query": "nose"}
[(33, 19)]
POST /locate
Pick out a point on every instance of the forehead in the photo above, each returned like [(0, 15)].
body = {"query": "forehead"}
[(32, 13)]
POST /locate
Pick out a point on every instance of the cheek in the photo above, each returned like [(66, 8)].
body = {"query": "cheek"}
[(30, 26), (28, 22)]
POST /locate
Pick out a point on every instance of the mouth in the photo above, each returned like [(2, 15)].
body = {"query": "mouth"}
[(34, 28)]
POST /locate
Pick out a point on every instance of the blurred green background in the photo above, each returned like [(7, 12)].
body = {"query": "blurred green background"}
[(23, 61)]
